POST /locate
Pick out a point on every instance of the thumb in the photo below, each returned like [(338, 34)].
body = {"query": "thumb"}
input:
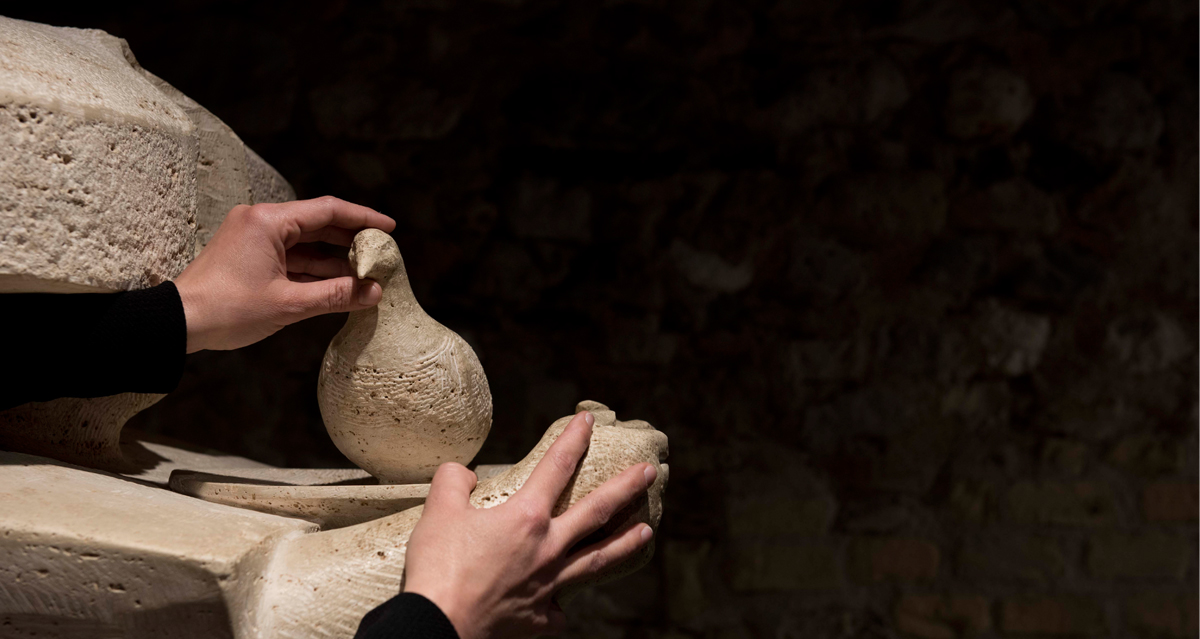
[(451, 487), (334, 295)]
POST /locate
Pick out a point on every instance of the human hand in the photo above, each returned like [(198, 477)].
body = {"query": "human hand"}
[(256, 275), (494, 571)]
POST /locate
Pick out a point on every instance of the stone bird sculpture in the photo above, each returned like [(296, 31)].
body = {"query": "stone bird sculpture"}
[(400, 393)]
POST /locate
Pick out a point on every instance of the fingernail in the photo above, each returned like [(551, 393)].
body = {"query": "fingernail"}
[(651, 475), (589, 418), (366, 293), (647, 533)]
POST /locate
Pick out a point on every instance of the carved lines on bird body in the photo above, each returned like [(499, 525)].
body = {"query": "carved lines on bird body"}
[(430, 398), (399, 392), (419, 384)]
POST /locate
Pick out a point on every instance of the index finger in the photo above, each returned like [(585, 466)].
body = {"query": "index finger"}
[(308, 216), (556, 467), (450, 489)]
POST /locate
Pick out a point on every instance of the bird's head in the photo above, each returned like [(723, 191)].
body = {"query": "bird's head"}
[(374, 255)]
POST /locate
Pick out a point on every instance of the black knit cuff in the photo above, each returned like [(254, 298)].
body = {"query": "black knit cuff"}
[(93, 344), (406, 615), (152, 329)]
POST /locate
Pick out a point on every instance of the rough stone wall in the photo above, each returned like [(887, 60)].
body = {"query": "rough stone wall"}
[(911, 286)]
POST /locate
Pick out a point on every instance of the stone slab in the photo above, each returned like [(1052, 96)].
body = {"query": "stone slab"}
[(103, 555), (331, 498)]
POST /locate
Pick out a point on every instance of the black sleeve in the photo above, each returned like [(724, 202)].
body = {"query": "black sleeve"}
[(92, 344), (406, 616)]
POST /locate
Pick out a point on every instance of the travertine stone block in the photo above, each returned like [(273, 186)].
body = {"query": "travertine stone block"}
[(228, 173), (104, 556), (113, 177), (222, 177), (98, 181), (266, 184)]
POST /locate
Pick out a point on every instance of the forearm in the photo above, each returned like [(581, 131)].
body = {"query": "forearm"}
[(92, 344)]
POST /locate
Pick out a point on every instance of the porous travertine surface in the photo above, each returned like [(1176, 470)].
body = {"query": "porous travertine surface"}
[(266, 184), (79, 430), (98, 178), (86, 553), (328, 497), (400, 393), (111, 180), (228, 173), (367, 560)]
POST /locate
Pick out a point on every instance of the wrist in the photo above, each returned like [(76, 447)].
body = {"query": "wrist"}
[(194, 315), (448, 603)]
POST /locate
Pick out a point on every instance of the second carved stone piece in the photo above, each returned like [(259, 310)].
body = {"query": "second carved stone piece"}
[(400, 393)]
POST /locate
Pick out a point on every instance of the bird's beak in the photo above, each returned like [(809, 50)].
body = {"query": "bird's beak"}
[(362, 264)]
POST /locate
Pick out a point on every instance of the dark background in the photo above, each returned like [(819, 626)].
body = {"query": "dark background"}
[(911, 286)]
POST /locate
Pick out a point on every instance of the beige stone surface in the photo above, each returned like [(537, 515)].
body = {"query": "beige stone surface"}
[(222, 177), (86, 553), (331, 498), (228, 173), (400, 393), (266, 184), (113, 177), (152, 459), (73, 429), (98, 181)]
